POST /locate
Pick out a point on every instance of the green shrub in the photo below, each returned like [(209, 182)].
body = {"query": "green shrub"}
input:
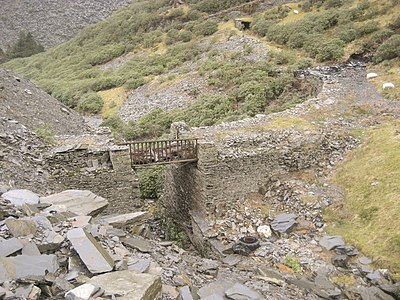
[(151, 182), (389, 49), (376, 39), (106, 83), (90, 103), (333, 3), (347, 33), (331, 49), (395, 24), (368, 27), (134, 83), (261, 26), (205, 28)]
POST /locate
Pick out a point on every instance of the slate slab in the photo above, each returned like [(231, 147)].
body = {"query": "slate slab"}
[(242, 292), (82, 203), (185, 293), (19, 227), (31, 249), (331, 242), (20, 197), (129, 285), (10, 246), (93, 255), (126, 219), (83, 292), (138, 243), (23, 266), (141, 266), (283, 223)]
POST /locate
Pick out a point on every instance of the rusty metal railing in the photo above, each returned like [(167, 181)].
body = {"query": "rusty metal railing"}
[(162, 151)]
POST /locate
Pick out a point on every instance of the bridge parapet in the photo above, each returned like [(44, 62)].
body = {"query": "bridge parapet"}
[(162, 152)]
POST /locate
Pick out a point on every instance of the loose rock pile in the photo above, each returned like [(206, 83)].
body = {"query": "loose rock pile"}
[(57, 247)]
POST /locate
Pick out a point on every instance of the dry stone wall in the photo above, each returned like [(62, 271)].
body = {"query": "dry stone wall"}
[(105, 172)]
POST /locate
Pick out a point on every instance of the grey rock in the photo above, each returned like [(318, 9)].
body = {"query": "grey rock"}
[(141, 266), (364, 260), (217, 287), (340, 261), (347, 250), (19, 227), (10, 246), (82, 203), (31, 249), (283, 223), (232, 260), (185, 294), (93, 255), (63, 284), (124, 220), (242, 292), (23, 266), (331, 242), (374, 276), (213, 297), (369, 293), (20, 197), (84, 292), (129, 285), (138, 243)]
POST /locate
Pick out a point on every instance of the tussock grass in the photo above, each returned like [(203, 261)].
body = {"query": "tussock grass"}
[(369, 217)]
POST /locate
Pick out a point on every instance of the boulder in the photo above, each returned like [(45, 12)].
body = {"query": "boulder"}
[(21, 197), (93, 255), (82, 203), (129, 285), (331, 242), (264, 231), (283, 223)]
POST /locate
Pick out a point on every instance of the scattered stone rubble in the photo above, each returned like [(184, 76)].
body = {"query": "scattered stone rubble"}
[(47, 253)]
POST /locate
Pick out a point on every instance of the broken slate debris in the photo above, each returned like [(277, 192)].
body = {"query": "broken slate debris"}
[(94, 256)]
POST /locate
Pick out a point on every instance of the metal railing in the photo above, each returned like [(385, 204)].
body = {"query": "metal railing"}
[(162, 151)]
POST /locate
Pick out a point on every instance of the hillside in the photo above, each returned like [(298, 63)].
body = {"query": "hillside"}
[(51, 22), (162, 44)]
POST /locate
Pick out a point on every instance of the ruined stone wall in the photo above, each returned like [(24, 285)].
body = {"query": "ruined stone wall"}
[(105, 173), (229, 171)]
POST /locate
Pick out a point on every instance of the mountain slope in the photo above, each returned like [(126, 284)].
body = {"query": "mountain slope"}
[(22, 101), (51, 22)]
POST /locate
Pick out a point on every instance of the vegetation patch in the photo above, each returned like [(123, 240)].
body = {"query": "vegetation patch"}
[(113, 100), (151, 182), (46, 133), (370, 215)]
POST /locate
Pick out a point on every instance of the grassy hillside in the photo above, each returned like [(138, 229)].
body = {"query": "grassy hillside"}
[(159, 38), (370, 216)]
